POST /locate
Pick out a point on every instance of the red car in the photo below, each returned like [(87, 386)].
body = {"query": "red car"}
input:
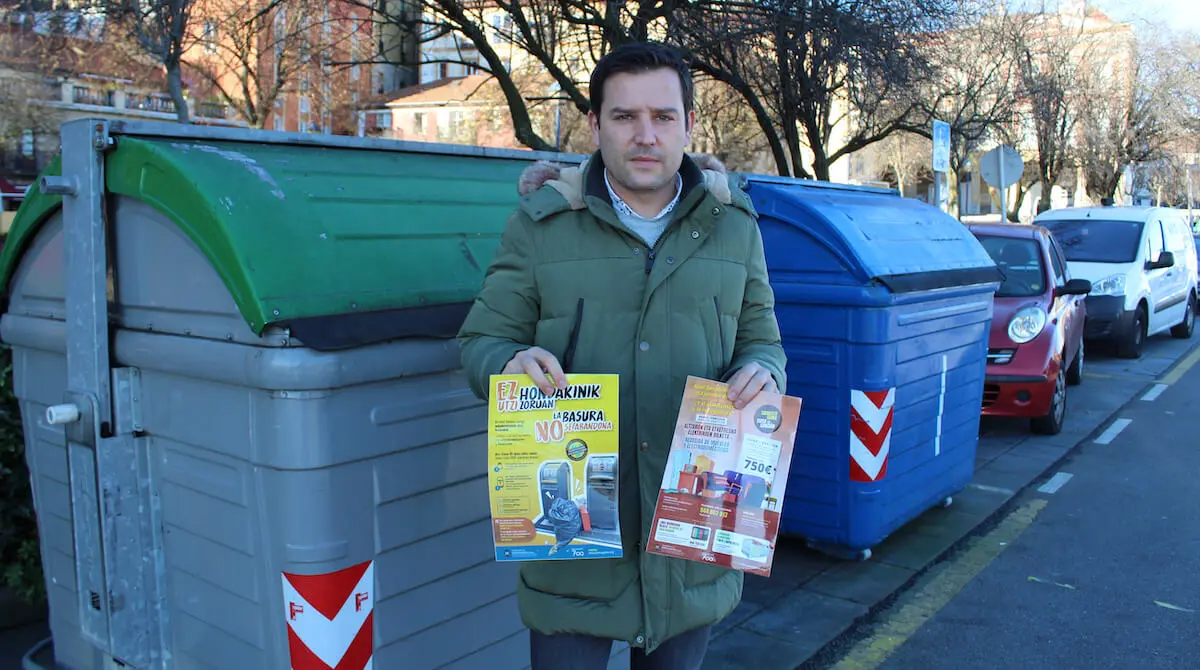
[(1035, 348)]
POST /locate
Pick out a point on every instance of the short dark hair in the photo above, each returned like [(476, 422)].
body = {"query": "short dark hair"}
[(638, 57)]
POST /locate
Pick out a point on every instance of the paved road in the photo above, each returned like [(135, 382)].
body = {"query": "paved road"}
[(1097, 569)]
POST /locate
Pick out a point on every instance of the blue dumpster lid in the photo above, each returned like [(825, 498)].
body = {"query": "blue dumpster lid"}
[(875, 234)]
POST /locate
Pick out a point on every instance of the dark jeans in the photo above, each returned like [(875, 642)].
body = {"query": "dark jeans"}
[(580, 652)]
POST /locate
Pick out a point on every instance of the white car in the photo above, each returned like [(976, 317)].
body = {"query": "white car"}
[(1143, 267)]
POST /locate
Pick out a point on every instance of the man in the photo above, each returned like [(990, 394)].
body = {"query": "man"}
[(644, 263)]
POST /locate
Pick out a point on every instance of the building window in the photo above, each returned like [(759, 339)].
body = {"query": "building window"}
[(502, 25), (443, 70), (418, 123)]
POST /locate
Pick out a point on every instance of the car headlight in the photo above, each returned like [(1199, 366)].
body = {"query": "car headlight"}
[(1026, 324), (1114, 285)]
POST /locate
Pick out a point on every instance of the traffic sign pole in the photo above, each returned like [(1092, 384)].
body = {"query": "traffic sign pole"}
[(1003, 196), (1001, 168)]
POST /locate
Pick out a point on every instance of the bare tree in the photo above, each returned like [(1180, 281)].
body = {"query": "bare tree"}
[(822, 77), (973, 84), (1120, 124), (1048, 50), (250, 53), (726, 128), (160, 29), (33, 55), (825, 78), (565, 37), (905, 159)]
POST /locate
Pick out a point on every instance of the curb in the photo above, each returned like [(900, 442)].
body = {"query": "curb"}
[(832, 650)]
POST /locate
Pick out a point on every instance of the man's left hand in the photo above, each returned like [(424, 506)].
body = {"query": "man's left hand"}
[(748, 382)]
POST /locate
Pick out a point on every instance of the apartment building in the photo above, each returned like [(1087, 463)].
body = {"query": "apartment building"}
[(294, 66), (47, 80)]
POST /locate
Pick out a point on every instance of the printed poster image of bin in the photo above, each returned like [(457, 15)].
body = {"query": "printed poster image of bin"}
[(884, 304), (565, 516), (729, 487)]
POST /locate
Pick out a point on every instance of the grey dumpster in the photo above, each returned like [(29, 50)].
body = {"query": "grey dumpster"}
[(250, 441)]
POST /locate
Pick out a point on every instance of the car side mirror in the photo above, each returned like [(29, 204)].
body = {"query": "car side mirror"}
[(1074, 287), (1165, 260)]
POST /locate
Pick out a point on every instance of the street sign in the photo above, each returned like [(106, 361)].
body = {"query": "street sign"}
[(1002, 167), (941, 146)]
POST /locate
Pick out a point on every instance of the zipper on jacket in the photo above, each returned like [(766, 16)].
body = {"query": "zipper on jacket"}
[(654, 251), (569, 354)]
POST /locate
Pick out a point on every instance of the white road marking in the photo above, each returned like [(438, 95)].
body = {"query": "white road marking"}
[(1154, 392), (1113, 431), (1055, 483), (992, 489)]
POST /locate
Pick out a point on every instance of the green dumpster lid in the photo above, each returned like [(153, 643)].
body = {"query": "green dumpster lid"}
[(382, 239)]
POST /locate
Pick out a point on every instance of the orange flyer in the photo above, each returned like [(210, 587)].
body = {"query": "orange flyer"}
[(723, 487)]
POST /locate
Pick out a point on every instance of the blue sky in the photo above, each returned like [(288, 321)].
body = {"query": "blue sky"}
[(1177, 14)]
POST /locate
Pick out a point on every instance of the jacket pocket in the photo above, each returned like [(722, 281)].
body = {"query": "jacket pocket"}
[(696, 574), (599, 581)]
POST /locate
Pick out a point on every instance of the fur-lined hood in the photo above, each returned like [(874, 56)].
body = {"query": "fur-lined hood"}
[(568, 179)]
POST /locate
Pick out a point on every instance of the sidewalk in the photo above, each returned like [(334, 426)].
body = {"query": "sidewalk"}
[(811, 600)]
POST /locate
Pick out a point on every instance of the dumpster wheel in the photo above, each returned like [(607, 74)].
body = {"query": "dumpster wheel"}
[(840, 552)]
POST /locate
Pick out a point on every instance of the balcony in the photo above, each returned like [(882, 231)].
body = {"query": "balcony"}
[(88, 95), (212, 110), (150, 103)]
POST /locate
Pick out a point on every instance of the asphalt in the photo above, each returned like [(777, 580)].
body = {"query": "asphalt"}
[(1105, 575), (815, 606), (812, 605)]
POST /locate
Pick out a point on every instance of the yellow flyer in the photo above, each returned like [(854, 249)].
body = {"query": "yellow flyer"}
[(553, 468)]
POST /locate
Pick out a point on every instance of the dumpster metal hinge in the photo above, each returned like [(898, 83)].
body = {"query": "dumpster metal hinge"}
[(127, 401), (116, 540)]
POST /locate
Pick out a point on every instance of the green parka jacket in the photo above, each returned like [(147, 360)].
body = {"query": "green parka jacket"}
[(568, 276)]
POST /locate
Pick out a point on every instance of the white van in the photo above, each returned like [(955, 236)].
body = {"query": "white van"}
[(1142, 265)]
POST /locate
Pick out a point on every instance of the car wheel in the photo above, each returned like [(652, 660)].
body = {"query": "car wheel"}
[(1075, 372), (1184, 329), (1130, 345), (1052, 423)]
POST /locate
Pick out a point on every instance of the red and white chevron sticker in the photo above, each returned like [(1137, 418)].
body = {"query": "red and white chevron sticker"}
[(870, 433), (330, 618)]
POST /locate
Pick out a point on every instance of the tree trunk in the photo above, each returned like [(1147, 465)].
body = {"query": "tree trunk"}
[(1013, 215), (760, 112), (820, 163), (175, 87)]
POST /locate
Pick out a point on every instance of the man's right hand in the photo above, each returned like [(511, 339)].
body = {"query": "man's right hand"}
[(538, 363)]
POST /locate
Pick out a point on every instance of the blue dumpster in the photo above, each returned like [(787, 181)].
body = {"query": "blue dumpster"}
[(884, 304)]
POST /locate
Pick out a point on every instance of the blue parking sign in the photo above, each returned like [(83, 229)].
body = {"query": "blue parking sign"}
[(941, 146)]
